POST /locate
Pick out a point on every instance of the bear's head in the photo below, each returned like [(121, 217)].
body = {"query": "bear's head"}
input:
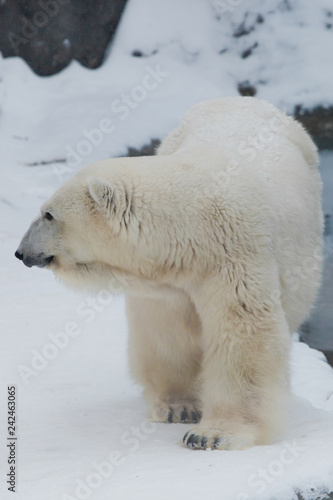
[(81, 230)]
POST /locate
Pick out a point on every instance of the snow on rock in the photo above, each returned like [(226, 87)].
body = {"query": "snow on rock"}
[(166, 57), (315, 386)]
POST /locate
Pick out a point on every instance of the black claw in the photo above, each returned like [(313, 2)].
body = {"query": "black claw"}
[(194, 417), (183, 417), (190, 439), (193, 440), (216, 442), (184, 438), (204, 442), (170, 416)]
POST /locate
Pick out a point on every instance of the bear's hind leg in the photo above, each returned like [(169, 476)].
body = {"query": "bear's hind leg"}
[(245, 362), (165, 355)]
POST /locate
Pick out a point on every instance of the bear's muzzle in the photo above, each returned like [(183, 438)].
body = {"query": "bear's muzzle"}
[(39, 260)]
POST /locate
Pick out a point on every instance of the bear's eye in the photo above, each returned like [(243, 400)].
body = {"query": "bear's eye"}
[(48, 216)]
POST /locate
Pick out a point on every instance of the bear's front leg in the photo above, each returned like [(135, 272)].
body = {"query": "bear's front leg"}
[(165, 355), (245, 362)]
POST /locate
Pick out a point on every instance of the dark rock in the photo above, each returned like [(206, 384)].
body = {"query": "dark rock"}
[(246, 89), (249, 51), (319, 123), (139, 53), (242, 30), (317, 330), (146, 150), (246, 27), (316, 496), (49, 34), (329, 357)]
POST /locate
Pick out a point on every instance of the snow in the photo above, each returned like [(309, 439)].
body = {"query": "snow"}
[(81, 409), (43, 117)]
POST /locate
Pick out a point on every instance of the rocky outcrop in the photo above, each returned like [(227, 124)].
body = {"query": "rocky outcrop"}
[(319, 123), (49, 34)]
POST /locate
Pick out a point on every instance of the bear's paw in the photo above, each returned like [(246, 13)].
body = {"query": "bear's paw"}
[(202, 438), (181, 412)]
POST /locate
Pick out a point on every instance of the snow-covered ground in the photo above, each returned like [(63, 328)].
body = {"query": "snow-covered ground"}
[(81, 421)]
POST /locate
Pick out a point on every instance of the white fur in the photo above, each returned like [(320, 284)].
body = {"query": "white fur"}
[(217, 243)]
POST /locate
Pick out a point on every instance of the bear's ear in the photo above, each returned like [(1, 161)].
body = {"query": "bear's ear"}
[(101, 192)]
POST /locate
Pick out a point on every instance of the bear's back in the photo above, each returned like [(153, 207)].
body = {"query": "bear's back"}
[(254, 128)]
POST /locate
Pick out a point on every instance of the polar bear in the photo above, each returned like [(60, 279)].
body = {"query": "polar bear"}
[(216, 242)]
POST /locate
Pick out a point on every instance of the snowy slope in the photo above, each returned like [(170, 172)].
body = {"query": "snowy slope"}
[(79, 415), (191, 43)]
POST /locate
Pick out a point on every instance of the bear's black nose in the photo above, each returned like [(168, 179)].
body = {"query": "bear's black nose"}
[(19, 255)]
